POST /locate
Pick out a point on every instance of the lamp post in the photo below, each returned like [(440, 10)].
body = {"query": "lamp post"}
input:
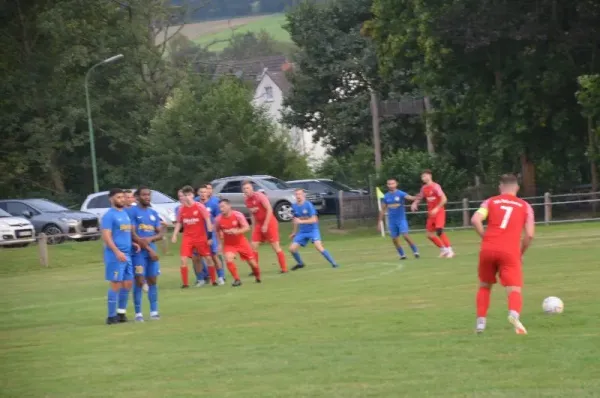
[(89, 116)]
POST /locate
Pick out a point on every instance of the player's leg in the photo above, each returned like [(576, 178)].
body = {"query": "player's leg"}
[(431, 235), (487, 277), (255, 269), (404, 232), (299, 241), (246, 253), (152, 272), (394, 228), (440, 223), (214, 251), (272, 237), (511, 277), (229, 254), (256, 239), (114, 275), (204, 251), (197, 264), (139, 270), (125, 289), (316, 239)]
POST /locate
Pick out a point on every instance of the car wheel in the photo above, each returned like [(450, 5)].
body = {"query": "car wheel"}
[(283, 211), (51, 231)]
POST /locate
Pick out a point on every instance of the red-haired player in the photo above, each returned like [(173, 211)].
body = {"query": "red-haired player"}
[(231, 226), (436, 213), (502, 249), (264, 223)]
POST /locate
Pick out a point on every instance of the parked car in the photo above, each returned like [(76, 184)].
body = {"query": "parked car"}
[(13, 228), (52, 219), (328, 189), (98, 203), (280, 194)]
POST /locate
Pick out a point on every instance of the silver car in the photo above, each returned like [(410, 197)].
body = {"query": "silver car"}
[(280, 194)]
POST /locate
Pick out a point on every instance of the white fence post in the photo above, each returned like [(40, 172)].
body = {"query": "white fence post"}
[(43, 249), (547, 208), (340, 210), (466, 215)]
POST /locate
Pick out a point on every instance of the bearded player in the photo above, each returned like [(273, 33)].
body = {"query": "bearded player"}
[(197, 235), (264, 224), (502, 249), (436, 213), (231, 226)]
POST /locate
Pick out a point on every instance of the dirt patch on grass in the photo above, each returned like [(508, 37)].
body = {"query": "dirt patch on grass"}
[(194, 30)]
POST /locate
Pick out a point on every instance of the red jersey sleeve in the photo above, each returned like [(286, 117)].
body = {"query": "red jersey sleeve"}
[(203, 211), (263, 200), (241, 219), (438, 190)]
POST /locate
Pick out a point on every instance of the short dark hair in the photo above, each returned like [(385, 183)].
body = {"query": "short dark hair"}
[(246, 182), (392, 179), (114, 191), (299, 189), (138, 191), (207, 185), (509, 179), (187, 189), (427, 171), (127, 191), (224, 201)]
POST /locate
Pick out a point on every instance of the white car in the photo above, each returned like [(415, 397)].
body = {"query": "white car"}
[(13, 228), (98, 203)]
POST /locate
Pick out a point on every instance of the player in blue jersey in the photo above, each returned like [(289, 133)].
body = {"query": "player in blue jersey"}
[(393, 202), (212, 205), (306, 228), (118, 244), (146, 268)]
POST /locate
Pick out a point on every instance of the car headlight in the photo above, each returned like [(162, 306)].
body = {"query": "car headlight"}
[(69, 221)]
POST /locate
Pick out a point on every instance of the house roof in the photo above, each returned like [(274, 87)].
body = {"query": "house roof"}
[(280, 79), (250, 69)]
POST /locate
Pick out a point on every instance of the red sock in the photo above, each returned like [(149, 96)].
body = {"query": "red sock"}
[(256, 271), (445, 240), (233, 270), (256, 257), (515, 302), (436, 241), (184, 275), (281, 259), (483, 301), (212, 271)]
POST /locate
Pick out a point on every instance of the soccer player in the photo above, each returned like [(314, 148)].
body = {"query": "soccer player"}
[(118, 246), (200, 267), (232, 226), (147, 226), (306, 228), (197, 235), (264, 224), (130, 204), (212, 205), (436, 213), (502, 249), (393, 203)]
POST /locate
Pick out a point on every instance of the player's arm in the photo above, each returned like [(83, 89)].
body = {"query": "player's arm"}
[(177, 227), (244, 227), (108, 239), (264, 201), (417, 199), (479, 217), (529, 230), (209, 225), (312, 216), (442, 195)]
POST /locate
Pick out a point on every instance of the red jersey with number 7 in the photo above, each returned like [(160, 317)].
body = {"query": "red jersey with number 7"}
[(234, 220), (193, 219), (507, 216)]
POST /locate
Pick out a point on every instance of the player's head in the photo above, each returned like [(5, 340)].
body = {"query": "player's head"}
[(188, 195), (143, 196), (209, 189), (180, 196), (117, 197), (426, 176), (203, 193), (129, 197), (300, 195), (392, 184), (509, 184), (225, 206), (247, 188)]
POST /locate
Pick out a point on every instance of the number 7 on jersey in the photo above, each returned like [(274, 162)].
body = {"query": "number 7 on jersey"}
[(507, 213)]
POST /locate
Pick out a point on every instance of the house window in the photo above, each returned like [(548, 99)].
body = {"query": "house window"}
[(269, 94)]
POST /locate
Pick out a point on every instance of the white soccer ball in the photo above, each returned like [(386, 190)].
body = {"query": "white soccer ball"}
[(553, 305)]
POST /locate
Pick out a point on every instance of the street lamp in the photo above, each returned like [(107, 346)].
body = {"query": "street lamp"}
[(89, 115)]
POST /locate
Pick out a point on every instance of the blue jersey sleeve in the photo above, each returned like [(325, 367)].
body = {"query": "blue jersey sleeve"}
[(311, 209), (402, 194), (156, 222), (107, 220)]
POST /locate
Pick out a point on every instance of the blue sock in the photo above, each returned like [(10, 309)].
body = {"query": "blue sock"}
[(221, 273), (112, 303), (153, 297), (328, 257), (297, 257), (199, 276), (123, 298), (400, 251), (413, 247), (204, 268), (137, 298)]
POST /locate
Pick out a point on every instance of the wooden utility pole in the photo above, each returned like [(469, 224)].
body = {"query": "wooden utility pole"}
[(376, 131)]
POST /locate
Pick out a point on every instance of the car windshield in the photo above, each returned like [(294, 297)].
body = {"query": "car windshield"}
[(4, 214), (274, 183), (159, 198), (45, 206), (337, 186)]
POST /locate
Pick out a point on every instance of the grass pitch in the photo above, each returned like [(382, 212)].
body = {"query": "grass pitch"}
[(376, 327)]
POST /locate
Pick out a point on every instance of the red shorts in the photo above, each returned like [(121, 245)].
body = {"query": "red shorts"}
[(507, 265), (188, 245), (272, 234), (436, 222), (243, 249)]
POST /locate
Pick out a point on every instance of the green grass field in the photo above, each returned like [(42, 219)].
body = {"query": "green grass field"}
[(376, 327), (272, 24)]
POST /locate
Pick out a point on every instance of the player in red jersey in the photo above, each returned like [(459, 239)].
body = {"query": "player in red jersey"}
[(264, 224), (197, 234), (231, 226), (436, 213), (502, 249)]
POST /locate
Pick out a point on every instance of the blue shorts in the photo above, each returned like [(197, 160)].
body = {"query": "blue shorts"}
[(117, 271), (214, 247), (302, 238), (144, 266), (397, 227)]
